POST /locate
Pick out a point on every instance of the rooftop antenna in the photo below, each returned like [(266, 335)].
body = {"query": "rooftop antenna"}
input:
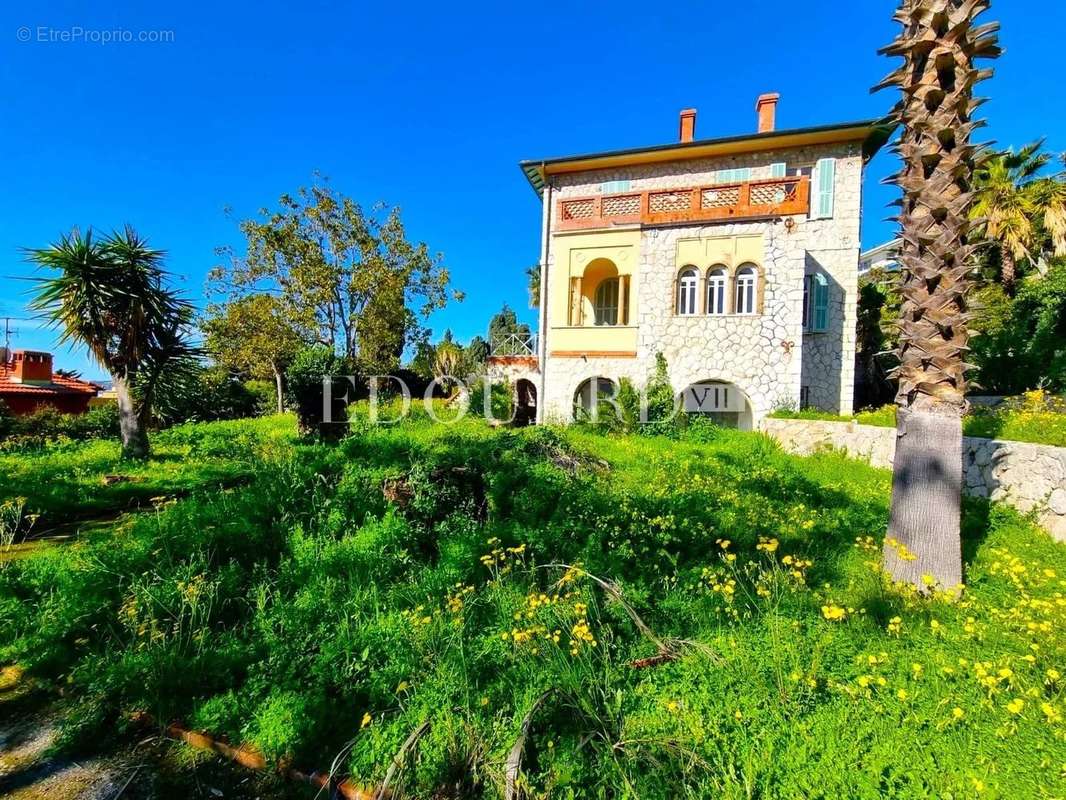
[(8, 330)]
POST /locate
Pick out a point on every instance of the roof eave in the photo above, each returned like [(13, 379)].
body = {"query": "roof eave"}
[(872, 133)]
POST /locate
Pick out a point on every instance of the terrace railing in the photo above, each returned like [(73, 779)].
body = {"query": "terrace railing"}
[(513, 344), (771, 197)]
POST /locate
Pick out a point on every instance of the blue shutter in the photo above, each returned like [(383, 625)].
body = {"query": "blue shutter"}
[(826, 175), (821, 303), (778, 170)]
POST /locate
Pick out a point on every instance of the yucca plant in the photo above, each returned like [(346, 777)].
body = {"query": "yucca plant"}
[(940, 43), (110, 295)]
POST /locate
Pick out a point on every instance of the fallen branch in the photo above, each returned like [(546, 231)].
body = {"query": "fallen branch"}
[(399, 758), (251, 758), (514, 759)]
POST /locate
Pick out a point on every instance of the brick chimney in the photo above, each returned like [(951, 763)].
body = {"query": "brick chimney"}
[(688, 125), (29, 366), (767, 108)]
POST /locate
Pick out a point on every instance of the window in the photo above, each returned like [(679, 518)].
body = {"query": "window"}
[(824, 181), (686, 291), (778, 170), (716, 283), (605, 303), (613, 187), (815, 302), (733, 175), (747, 280)]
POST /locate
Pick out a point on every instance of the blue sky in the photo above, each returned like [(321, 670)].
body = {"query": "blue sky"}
[(426, 106)]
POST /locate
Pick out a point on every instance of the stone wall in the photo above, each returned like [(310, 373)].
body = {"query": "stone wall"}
[(767, 355), (1027, 476)]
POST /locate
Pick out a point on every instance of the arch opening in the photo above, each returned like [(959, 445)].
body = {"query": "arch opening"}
[(594, 399), (721, 402)]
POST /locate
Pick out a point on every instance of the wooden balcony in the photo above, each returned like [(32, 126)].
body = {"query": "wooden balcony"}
[(771, 197)]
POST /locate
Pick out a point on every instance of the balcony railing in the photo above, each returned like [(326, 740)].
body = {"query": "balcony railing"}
[(513, 344), (772, 197)]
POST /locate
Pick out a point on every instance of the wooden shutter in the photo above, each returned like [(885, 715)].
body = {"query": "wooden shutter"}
[(623, 300), (826, 177), (778, 170), (821, 303)]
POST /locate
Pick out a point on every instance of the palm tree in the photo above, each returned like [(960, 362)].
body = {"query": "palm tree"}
[(447, 361), (110, 296), (533, 274), (939, 44), (1020, 211)]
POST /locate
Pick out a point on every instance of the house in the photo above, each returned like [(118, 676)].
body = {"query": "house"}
[(736, 258), (884, 257), (27, 383)]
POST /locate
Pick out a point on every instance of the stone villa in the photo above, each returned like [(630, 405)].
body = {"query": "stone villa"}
[(736, 258)]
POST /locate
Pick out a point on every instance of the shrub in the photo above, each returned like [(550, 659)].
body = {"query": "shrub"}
[(304, 390), (214, 393), (7, 419), (264, 396)]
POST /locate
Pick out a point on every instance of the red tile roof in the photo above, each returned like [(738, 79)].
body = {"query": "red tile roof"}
[(59, 385)]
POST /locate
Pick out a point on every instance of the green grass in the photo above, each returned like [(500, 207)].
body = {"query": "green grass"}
[(423, 573), (75, 481), (1017, 424)]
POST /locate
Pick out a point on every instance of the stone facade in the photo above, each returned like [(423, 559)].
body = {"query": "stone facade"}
[(767, 355), (1026, 476)]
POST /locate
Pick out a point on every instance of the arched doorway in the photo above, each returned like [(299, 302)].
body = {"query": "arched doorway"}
[(594, 399), (721, 402), (525, 402)]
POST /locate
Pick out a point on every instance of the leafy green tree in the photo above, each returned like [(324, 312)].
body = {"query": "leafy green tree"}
[(254, 336), (111, 296), (423, 360), (476, 353), (352, 279), (1022, 340), (1021, 211)]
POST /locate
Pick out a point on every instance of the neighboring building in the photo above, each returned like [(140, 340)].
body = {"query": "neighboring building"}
[(27, 384), (736, 258), (884, 257)]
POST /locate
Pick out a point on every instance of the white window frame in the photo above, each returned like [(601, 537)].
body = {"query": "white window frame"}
[(687, 291), (717, 290), (747, 290)]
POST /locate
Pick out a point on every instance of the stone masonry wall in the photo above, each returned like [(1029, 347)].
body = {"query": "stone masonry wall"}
[(1026, 476), (767, 356)]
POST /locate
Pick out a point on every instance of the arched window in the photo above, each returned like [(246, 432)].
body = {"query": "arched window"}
[(716, 294), (686, 291), (747, 283), (605, 303)]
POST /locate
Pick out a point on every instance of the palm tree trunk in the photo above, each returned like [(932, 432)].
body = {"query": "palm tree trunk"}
[(279, 388), (923, 546), (1008, 269), (939, 44), (131, 425)]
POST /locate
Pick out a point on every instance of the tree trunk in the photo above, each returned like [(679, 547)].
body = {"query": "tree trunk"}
[(279, 387), (1008, 269), (131, 426), (923, 546)]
